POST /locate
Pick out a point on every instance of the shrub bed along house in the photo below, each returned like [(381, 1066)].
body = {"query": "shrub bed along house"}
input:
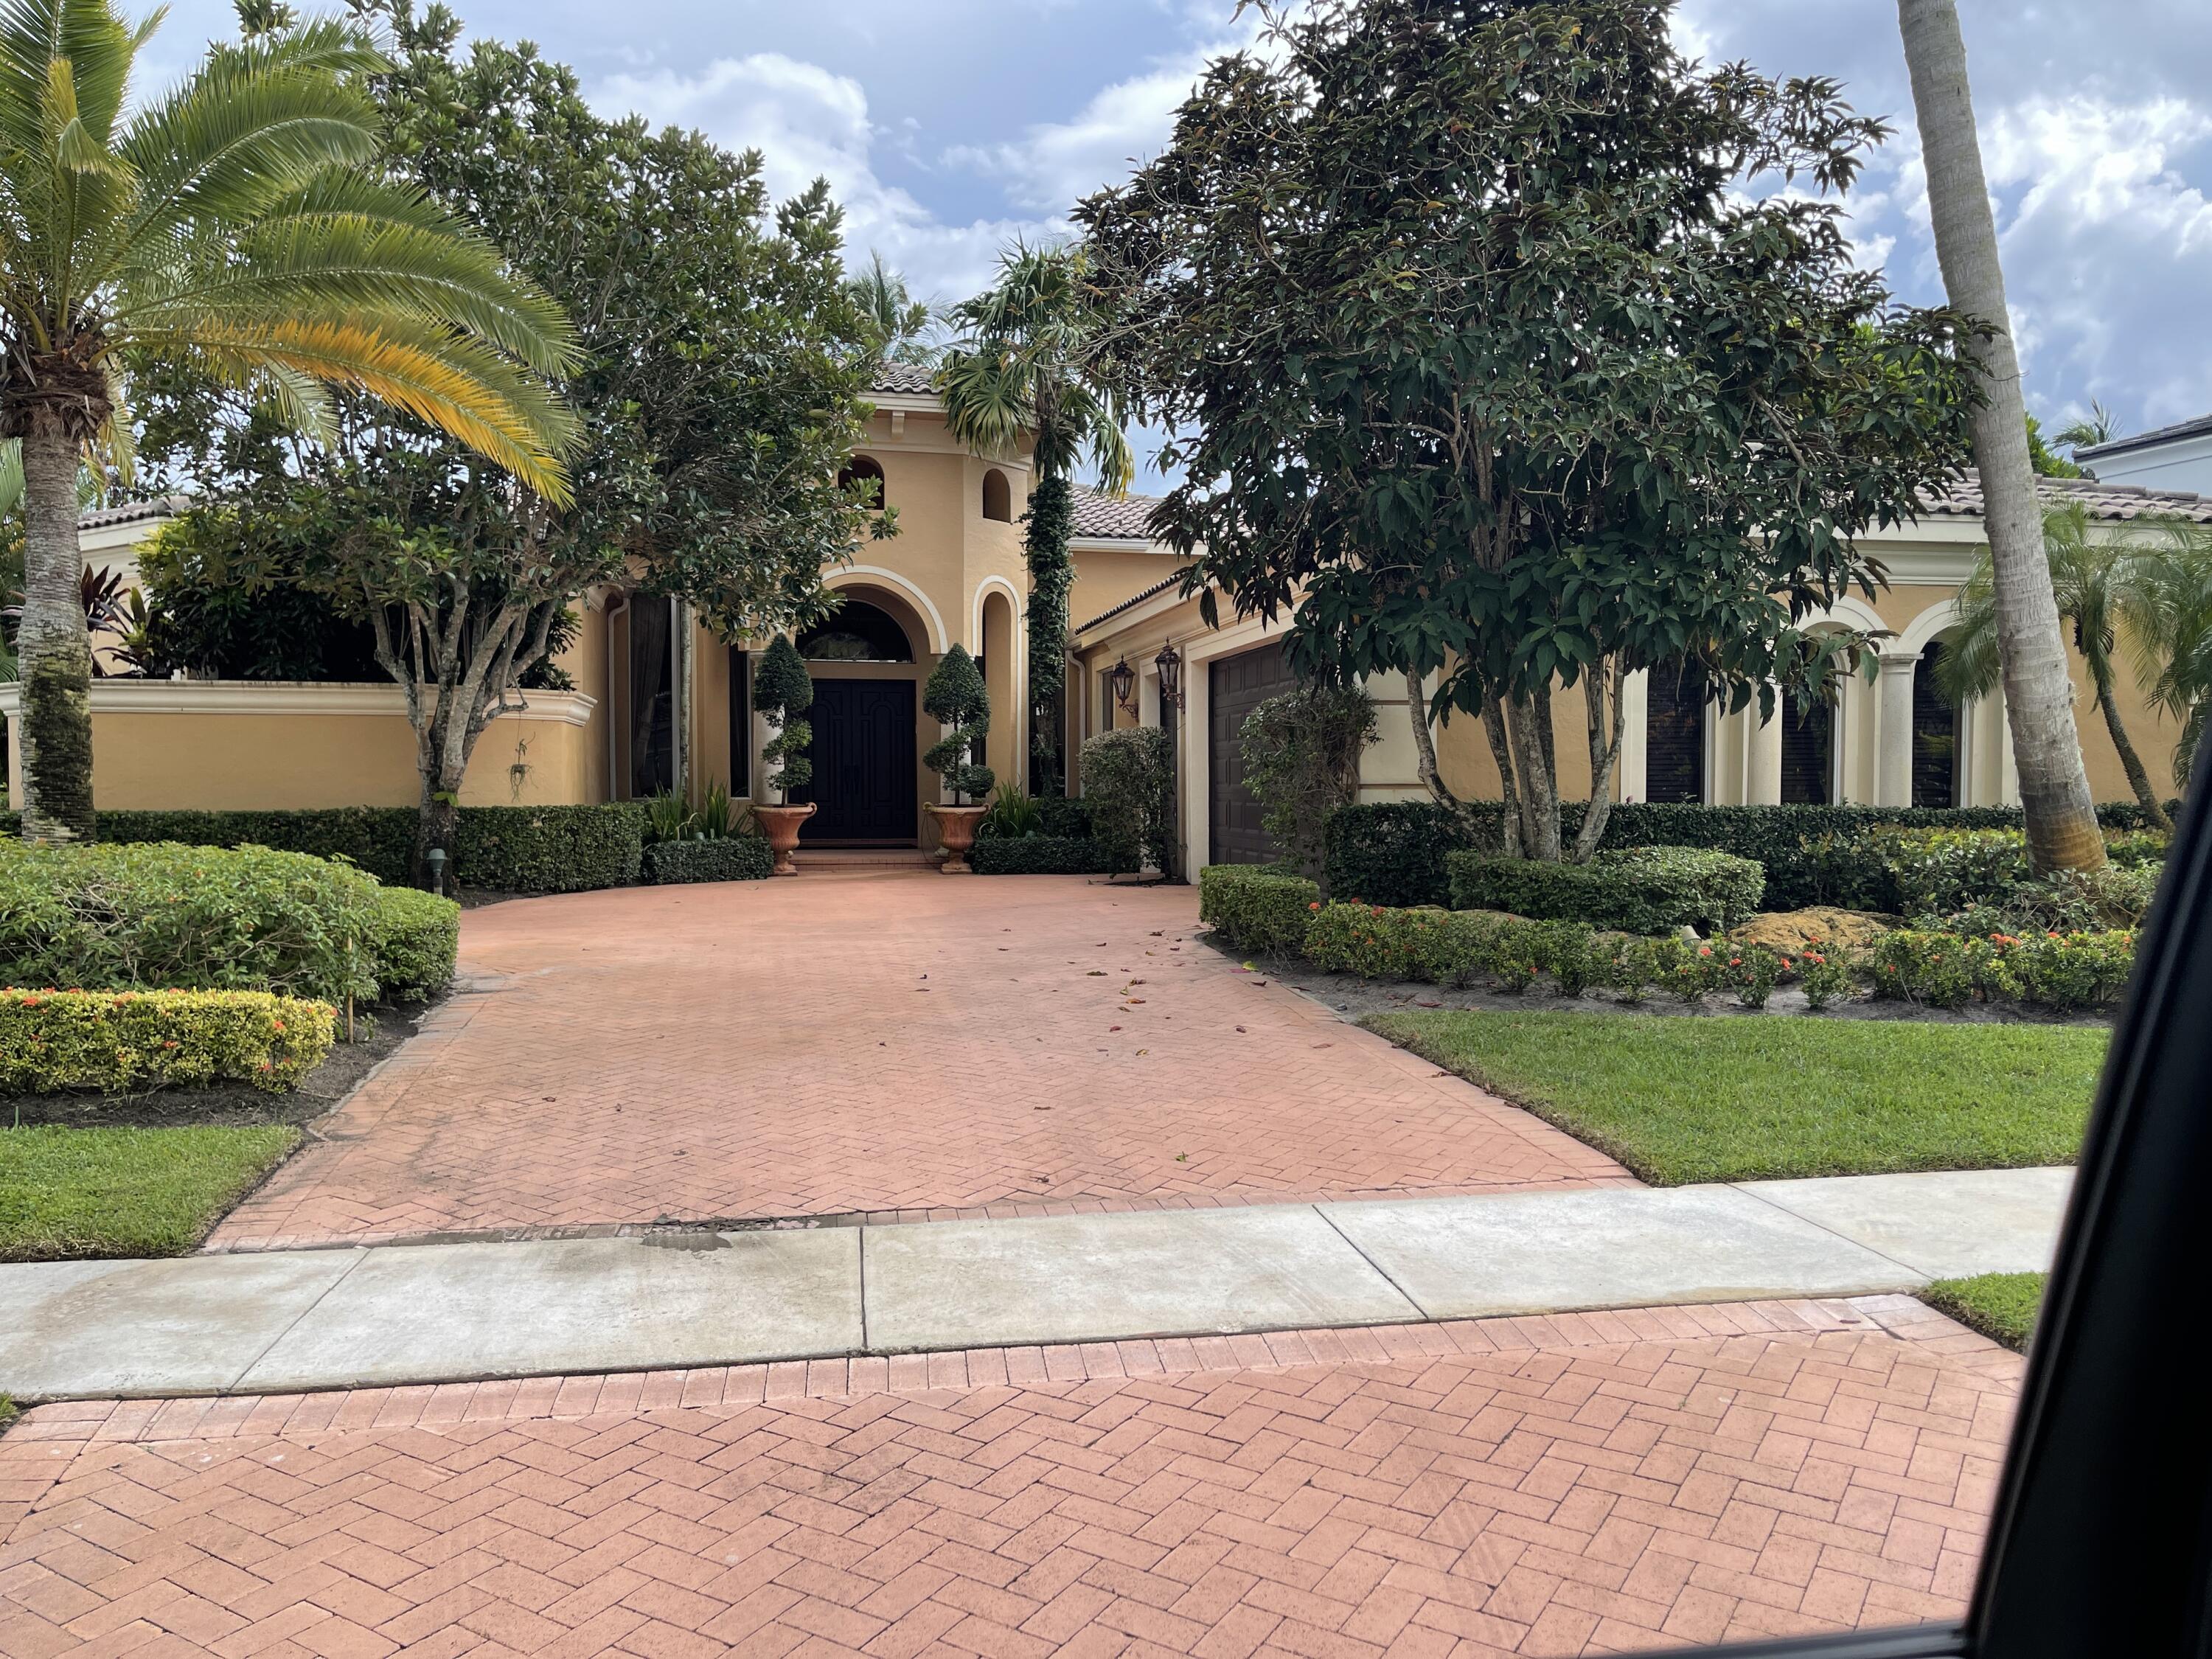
[(735, 858), (1643, 890), (513, 849), (113, 1041), (1036, 856), (1393, 852)]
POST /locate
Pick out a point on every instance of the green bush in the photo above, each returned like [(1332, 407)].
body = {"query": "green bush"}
[(1013, 812), (735, 858), (1065, 815), (2067, 971), (1932, 871), (957, 699), (1942, 970), (379, 839), (1253, 910), (549, 849), (782, 693), (1644, 890), (1825, 972), (415, 938), (1751, 971), (1128, 783), (1301, 752), (1438, 947), (113, 1042), (163, 916), (1392, 851), (1037, 855)]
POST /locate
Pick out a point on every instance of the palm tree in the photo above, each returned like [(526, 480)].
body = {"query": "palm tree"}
[(2054, 785), (231, 224), (1027, 364), (2100, 591), (899, 323), (2173, 635), (2098, 426)]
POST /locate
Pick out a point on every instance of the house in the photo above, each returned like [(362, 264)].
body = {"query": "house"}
[(648, 682), (2177, 457)]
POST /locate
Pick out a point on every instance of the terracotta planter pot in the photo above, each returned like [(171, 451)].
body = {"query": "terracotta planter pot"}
[(955, 828), (780, 825)]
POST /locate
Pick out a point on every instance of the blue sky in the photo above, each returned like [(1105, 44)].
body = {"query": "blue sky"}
[(949, 126)]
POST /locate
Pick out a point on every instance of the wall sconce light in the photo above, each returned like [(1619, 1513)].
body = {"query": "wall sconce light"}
[(1170, 663), (1122, 679)]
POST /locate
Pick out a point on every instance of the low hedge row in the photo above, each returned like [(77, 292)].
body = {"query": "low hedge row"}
[(512, 849), (736, 858), (1037, 855), (1393, 852), (1255, 909), (417, 935), (116, 1041), (1638, 889), (1279, 915)]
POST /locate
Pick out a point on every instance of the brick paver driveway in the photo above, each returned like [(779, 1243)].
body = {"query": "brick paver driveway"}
[(1577, 1483), (876, 1042)]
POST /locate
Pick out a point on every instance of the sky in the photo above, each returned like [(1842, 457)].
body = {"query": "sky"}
[(948, 128)]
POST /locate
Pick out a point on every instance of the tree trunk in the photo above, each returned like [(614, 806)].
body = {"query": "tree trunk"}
[(1424, 760), (1501, 751), (2130, 762), (2062, 815), (437, 824), (685, 736), (1529, 737), (53, 644), (1604, 735)]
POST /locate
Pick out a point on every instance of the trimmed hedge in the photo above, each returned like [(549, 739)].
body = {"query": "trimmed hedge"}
[(512, 849), (1037, 855), (1255, 909), (1392, 851), (1643, 890), (115, 1041), (737, 858), (2057, 970), (416, 937), (187, 918)]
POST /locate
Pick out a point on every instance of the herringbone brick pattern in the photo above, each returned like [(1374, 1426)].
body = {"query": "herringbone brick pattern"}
[(1541, 1487), (885, 1042)]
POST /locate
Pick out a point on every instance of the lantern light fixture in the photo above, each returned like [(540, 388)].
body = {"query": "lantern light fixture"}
[(1122, 680), (1170, 663)]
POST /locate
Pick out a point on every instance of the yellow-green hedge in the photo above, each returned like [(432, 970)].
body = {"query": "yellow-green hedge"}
[(116, 1040)]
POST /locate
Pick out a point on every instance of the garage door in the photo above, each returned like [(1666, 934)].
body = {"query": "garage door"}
[(1235, 686)]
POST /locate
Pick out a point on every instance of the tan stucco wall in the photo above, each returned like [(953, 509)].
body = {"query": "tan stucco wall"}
[(244, 761), (1105, 577)]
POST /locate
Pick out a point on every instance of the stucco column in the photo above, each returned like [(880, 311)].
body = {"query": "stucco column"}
[(1631, 775), (1893, 771), (1762, 772)]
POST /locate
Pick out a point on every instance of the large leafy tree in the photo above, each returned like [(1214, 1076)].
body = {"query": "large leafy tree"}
[(2047, 746), (1027, 364), (232, 223), (720, 363), (1482, 360)]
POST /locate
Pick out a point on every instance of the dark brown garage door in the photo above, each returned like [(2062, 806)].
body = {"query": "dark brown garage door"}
[(1236, 685)]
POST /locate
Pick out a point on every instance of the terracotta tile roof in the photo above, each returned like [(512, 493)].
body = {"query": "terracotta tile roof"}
[(2196, 429), (1963, 499), (910, 379), (1113, 518), (161, 507)]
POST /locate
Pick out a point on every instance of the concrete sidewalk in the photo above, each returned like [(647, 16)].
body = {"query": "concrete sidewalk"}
[(276, 1321)]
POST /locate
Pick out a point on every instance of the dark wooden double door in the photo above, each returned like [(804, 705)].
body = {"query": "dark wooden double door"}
[(864, 761), (1235, 686)]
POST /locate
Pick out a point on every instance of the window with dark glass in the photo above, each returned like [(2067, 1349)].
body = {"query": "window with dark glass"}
[(856, 632), (652, 697), (1935, 736), (998, 496), (863, 472), (1808, 750), (1674, 735), (741, 722)]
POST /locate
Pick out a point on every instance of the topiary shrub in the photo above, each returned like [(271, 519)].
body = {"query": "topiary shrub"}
[(782, 693), (549, 849), (735, 857), (200, 918), (956, 696), (117, 1041), (414, 942), (1646, 889), (1128, 783), (1301, 753), (1037, 855), (1253, 910)]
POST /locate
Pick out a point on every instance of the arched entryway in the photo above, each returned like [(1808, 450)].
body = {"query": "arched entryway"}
[(867, 673)]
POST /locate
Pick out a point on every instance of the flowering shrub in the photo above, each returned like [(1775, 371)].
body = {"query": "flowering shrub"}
[(1685, 970), (1825, 973), (1753, 971), (2066, 971), (118, 1040), (1942, 970)]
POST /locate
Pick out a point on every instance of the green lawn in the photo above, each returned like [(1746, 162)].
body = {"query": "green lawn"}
[(1679, 1099), (2001, 1306), (66, 1194)]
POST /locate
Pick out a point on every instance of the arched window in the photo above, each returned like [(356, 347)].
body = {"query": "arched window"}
[(856, 632), (998, 496), (864, 475), (1934, 735)]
